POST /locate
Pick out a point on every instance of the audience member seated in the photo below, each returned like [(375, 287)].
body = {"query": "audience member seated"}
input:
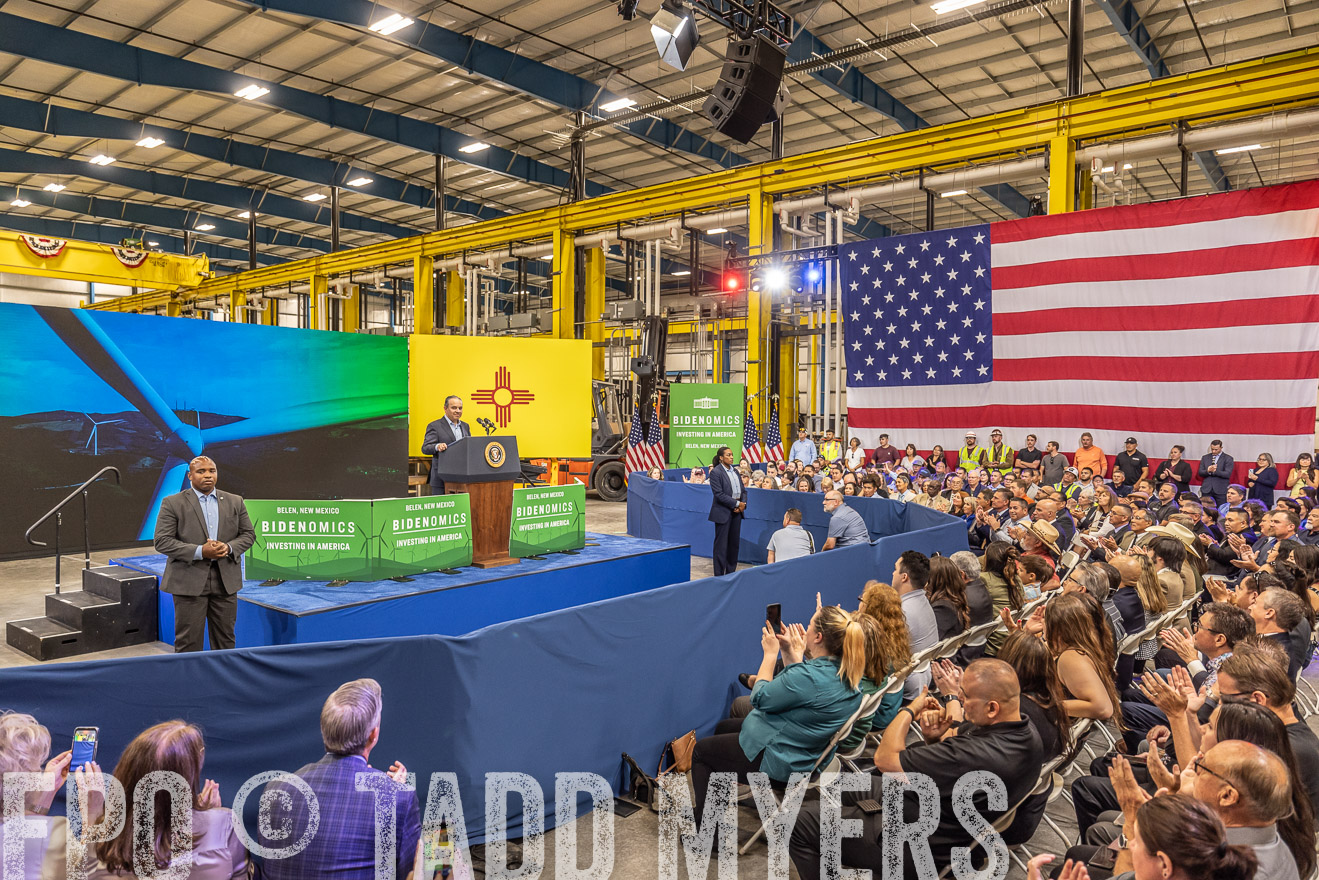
[(846, 527), (888, 654), (910, 573), (794, 713), (24, 748), (345, 845), (981, 728), (1001, 582), (947, 594), (1084, 657), (655, 472), (1277, 614), (792, 540), (217, 853)]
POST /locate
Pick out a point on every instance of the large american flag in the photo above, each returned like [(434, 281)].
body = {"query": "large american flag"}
[(751, 451), (773, 437), (1176, 322), (644, 450)]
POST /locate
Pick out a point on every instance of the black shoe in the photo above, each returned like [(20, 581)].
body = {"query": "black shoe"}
[(745, 679)]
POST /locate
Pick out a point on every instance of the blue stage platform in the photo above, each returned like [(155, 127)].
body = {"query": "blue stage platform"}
[(300, 612)]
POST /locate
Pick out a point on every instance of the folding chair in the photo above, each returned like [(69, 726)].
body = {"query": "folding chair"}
[(869, 705)]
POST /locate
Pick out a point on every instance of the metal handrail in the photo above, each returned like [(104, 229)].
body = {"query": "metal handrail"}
[(59, 520)]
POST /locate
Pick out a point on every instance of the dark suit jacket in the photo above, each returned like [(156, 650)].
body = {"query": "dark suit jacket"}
[(1219, 480), (181, 529), (722, 503), (1129, 606), (1220, 558), (438, 432)]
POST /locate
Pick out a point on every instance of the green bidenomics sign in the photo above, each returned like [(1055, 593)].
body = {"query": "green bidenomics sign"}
[(701, 419), (358, 540), (548, 519)]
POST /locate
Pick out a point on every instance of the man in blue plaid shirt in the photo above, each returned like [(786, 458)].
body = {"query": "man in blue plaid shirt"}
[(345, 844)]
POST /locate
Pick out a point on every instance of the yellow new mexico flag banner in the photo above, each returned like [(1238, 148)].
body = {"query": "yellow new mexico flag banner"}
[(538, 390)]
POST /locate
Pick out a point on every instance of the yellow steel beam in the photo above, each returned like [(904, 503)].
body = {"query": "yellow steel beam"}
[(352, 309), (1062, 174), (760, 241), (563, 285), (455, 299), (97, 263), (593, 281), (423, 295), (1283, 81), (319, 285)]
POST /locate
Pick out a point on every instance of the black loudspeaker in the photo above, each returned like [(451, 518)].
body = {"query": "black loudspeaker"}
[(743, 99)]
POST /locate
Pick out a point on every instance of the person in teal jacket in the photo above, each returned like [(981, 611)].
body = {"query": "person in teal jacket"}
[(795, 712)]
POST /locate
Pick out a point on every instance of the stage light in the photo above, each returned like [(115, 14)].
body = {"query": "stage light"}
[(391, 24), (54, 187), (251, 92), (620, 104), (359, 181), (813, 273), (776, 278), (150, 143), (474, 147), (676, 37), (732, 281)]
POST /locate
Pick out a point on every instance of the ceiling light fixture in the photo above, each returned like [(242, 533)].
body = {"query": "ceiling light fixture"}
[(246, 215), (359, 181), (620, 104), (680, 273), (1231, 150), (952, 5), (951, 193), (718, 230), (54, 187), (313, 197), (20, 203), (153, 244), (251, 92), (474, 147), (101, 159), (1126, 167), (150, 143), (205, 227), (392, 23)]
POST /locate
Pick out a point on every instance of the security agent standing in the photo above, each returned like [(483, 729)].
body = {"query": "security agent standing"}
[(440, 434), (203, 532), (726, 510)]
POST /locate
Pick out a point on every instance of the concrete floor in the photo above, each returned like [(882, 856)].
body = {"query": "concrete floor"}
[(24, 583)]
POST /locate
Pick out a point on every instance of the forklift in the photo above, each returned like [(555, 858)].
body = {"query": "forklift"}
[(605, 471)]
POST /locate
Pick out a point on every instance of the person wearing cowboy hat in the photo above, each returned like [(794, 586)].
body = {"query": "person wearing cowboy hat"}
[(970, 455), (1039, 539), (999, 456)]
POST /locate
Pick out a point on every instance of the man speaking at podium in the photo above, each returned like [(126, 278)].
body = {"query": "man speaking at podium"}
[(440, 434)]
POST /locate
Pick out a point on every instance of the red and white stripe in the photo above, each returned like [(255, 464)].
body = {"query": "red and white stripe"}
[(643, 457), (775, 454), (753, 454), (1177, 322)]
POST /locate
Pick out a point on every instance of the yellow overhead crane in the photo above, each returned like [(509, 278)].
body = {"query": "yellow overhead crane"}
[(1281, 82), (98, 263)]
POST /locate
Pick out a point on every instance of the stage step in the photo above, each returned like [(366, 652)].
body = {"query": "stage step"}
[(116, 607)]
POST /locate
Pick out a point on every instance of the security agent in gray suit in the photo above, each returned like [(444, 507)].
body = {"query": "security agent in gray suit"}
[(442, 433), (203, 532)]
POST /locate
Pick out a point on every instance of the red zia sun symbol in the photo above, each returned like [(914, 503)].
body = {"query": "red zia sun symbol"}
[(503, 396)]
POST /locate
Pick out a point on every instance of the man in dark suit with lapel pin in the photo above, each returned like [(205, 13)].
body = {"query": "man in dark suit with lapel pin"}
[(203, 532), (443, 433), (730, 499), (1215, 473)]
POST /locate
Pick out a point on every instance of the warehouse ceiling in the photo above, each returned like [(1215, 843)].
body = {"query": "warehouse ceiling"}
[(87, 78)]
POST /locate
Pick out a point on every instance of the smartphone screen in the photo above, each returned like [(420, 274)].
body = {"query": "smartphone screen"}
[(774, 614), (84, 747)]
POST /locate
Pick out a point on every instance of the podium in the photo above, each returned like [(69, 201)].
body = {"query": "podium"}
[(485, 468)]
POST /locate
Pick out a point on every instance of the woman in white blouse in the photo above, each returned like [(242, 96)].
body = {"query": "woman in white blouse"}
[(177, 747), (24, 747), (911, 459), (856, 456)]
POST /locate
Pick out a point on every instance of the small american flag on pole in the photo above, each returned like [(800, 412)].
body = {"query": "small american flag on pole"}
[(644, 450), (773, 437), (751, 451)]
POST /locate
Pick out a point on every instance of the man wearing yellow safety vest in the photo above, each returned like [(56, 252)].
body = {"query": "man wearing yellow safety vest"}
[(1069, 487), (831, 449), (970, 455), (998, 456)]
